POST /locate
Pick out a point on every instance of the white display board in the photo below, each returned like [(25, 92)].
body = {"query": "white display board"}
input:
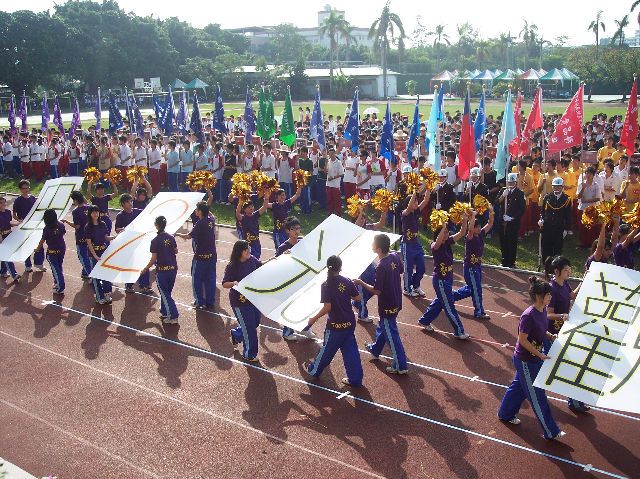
[(155, 83), (596, 358), (138, 83)]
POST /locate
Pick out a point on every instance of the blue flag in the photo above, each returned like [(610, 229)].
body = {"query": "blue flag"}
[(75, 119), (137, 117), (57, 115), (317, 123), (431, 138), (352, 131), (45, 114), (12, 115), (196, 120), (249, 120), (414, 134), (98, 113), (218, 122), (167, 114), (441, 103), (480, 123), (181, 119), (129, 112), (386, 138), (22, 112), (115, 118), (158, 107), (507, 134)]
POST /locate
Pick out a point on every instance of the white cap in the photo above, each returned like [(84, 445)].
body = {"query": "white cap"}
[(557, 181), (475, 171), (407, 169), (512, 178), (443, 172)]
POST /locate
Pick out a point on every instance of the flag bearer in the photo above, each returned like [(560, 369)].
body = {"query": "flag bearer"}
[(53, 234), (79, 216)]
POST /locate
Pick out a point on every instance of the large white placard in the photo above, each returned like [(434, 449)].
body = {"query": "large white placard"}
[(596, 358), (287, 289), (55, 194), (129, 252)]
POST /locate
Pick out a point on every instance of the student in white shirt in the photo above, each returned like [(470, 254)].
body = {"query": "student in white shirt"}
[(350, 161), (609, 182), (140, 155), (622, 170), (268, 162), (335, 172), (74, 158), (155, 161), (363, 176), (54, 153), (37, 158), (7, 157), (24, 152)]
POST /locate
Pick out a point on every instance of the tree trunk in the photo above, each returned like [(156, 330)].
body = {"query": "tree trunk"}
[(331, 70), (384, 69)]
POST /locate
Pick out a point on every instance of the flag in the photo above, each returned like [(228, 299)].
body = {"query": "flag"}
[(115, 118), (480, 123), (270, 122), (57, 115), (218, 122), (167, 114), (98, 112), (129, 112), (262, 113), (431, 140), (414, 134), (249, 119), (534, 121), (467, 152), (441, 103), (352, 130), (317, 123), (196, 120), (568, 131), (514, 146), (12, 115), (181, 118), (158, 107), (75, 119), (507, 134), (137, 117), (22, 112), (386, 138), (287, 127), (45, 114), (630, 127)]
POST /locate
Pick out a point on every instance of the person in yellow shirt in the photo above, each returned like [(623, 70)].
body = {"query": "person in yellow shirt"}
[(524, 183), (630, 190), (533, 207), (575, 172), (570, 185), (605, 152), (544, 183), (615, 156)]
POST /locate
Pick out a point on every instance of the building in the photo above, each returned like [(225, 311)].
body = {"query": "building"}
[(630, 40)]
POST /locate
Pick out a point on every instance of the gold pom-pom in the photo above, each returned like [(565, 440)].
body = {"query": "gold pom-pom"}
[(92, 175), (608, 210), (136, 173), (438, 219), (383, 199), (481, 204), (413, 181), (240, 187), (590, 216), (633, 217), (300, 177), (430, 177), (209, 180), (114, 175), (354, 205), (194, 181), (458, 211), (255, 179)]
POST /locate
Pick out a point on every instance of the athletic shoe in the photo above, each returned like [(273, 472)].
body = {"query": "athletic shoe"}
[(290, 337), (419, 292), (308, 334), (162, 316), (305, 367), (5, 275), (461, 336), (392, 370), (583, 408), (407, 292), (346, 382), (558, 436), (427, 327), (365, 320), (367, 346), (102, 301), (252, 360), (128, 289), (171, 320), (17, 278), (515, 421), (483, 316), (414, 293), (147, 290), (200, 307), (40, 269), (234, 343), (83, 276), (28, 270)]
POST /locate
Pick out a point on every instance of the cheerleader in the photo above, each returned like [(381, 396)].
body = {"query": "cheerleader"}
[(79, 216), (602, 247), (6, 267), (124, 219), (102, 202), (527, 359), (412, 252), (248, 217), (163, 254), (97, 236), (241, 264), (53, 234), (441, 250), (336, 294), (141, 196), (280, 209), (623, 250)]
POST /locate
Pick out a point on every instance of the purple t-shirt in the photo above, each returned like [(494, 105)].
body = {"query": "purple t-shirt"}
[(204, 239), (623, 256), (338, 291), (102, 203), (474, 249), (124, 218), (389, 283), (534, 323), (592, 259), (98, 236), (234, 201), (286, 246), (410, 227), (54, 237), (560, 302), (5, 223), (251, 227), (139, 205), (443, 260), (164, 246), (237, 272), (80, 219), (22, 206), (280, 213)]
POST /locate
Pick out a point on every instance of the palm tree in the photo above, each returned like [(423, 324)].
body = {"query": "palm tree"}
[(540, 44), (506, 40), (595, 27), (633, 7), (440, 38), (619, 34), (349, 39), (333, 26), (386, 29)]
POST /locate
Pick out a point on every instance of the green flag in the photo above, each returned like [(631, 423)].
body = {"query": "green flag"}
[(261, 130), (269, 122), (287, 128)]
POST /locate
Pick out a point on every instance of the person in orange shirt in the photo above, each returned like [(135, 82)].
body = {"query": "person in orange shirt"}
[(570, 184), (533, 198), (630, 190), (544, 183), (574, 173), (525, 183), (621, 150), (605, 152)]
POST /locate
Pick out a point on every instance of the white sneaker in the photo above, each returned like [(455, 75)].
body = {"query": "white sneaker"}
[(392, 370), (415, 294), (5, 275), (407, 292), (428, 327), (461, 336), (558, 436), (515, 421), (291, 337), (308, 334), (365, 320), (40, 269), (28, 270), (419, 292)]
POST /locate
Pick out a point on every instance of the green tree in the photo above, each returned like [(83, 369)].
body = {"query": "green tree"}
[(595, 26), (439, 40), (332, 27), (285, 45), (633, 7), (411, 86), (384, 30), (618, 36)]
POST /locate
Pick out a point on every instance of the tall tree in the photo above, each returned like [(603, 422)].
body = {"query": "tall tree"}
[(440, 38), (595, 27), (333, 27), (528, 34), (633, 7), (385, 30), (619, 36)]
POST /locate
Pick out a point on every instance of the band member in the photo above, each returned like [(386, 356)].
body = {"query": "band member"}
[(21, 207), (6, 267), (280, 209), (97, 237), (249, 217), (102, 202), (512, 206), (53, 234), (555, 219), (79, 216)]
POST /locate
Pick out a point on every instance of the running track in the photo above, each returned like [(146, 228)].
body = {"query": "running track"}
[(106, 391)]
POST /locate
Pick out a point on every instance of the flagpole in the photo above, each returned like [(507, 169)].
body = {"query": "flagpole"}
[(418, 127), (484, 143)]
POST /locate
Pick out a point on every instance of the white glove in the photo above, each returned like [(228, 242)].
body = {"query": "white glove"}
[(564, 234), (505, 193), (507, 218), (540, 222), (438, 206)]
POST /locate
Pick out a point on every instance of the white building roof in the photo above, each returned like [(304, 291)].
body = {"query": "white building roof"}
[(365, 71)]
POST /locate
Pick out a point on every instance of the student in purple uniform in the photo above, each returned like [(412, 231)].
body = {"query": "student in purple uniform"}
[(6, 267), (234, 200), (53, 234), (472, 266), (21, 207), (102, 202), (559, 307), (124, 219), (205, 256), (336, 294), (79, 216), (97, 236), (249, 217), (623, 250), (242, 264), (141, 196), (280, 209), (388, 288), (442, 252), (412, 252), (527, 359), (603, 248), (163, 254)]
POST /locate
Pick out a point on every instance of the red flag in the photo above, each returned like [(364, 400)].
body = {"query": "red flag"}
[(514, 146), (534, 121), (467, 153), (630, 128), (568, 131)]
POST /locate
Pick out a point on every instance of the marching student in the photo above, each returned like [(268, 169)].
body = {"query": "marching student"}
[(410, 247), (527, 359), (472, 265), (141, 195), (80, 218), (336, 294), (249, 217), (280, 210), (602, 247), (102, 202), (163, 254), (53, 234), (242, 264), (205, 256), (388, 288), (97, 236), (124, 219), (441, 250), (6, 267), (21, 207), (623, 250)]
